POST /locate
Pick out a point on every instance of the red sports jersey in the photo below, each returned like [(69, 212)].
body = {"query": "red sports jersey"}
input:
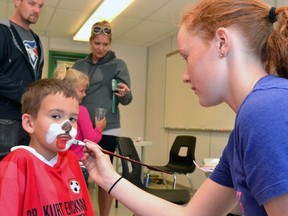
[(31, 187)]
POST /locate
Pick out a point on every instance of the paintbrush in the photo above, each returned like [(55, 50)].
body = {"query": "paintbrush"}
[(78, 142)]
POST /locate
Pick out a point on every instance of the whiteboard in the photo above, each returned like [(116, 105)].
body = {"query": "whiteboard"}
[(182, 109)]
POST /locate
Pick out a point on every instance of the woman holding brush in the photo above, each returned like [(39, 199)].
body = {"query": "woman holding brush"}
[(231, 49)]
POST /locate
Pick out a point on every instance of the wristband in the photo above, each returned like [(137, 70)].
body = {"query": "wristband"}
[(114, 185)]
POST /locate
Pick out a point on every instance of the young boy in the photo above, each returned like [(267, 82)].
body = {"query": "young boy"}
[(43, 178)]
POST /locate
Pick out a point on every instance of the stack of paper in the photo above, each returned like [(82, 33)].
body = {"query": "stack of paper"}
[(207, 168)]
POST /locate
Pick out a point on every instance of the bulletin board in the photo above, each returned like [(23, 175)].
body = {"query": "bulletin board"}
[(182, 108)]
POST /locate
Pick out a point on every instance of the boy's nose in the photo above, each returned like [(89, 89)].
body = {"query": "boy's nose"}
[(67, 127)]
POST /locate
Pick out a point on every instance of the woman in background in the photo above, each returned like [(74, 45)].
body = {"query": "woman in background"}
[(102, 66)]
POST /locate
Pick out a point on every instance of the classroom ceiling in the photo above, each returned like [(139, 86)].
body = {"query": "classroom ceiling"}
[(143, 23)]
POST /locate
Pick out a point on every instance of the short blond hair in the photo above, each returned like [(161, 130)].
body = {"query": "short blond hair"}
[(73, 76)]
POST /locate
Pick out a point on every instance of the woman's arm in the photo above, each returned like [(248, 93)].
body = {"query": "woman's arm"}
[(210, 199), (123, 79), (277, 206)]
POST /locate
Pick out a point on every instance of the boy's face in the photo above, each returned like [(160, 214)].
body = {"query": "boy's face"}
[(57, 116)]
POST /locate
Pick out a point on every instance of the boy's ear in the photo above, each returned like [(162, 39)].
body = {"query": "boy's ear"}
[(27, 123)]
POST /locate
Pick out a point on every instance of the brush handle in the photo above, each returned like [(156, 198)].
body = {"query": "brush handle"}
[(78, 142), (135, 161)]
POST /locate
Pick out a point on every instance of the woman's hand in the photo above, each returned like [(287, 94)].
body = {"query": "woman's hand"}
[(122, 89), (99, 166)]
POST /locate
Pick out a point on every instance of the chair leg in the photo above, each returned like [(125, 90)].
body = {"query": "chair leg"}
[(190, 182), (164, 180), (147, 178), (174, 181)]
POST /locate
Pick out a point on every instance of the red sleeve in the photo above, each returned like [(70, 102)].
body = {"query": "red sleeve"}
[(85, 126), (12, 184)]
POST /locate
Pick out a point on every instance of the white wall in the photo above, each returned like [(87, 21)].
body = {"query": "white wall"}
[(132, 115)]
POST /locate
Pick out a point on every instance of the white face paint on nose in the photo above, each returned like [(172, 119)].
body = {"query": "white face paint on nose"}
[(65, 128)]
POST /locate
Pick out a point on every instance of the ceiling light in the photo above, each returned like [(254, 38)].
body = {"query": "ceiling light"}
[(108, 10)]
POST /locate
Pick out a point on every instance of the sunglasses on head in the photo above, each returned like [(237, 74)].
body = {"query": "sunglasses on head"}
[(98, 30)]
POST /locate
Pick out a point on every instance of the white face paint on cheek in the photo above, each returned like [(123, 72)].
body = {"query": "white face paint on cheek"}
[(53, 131), (73, 132)]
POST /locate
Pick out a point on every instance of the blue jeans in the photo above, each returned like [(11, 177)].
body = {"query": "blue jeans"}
[(86, 174), (12, 134)]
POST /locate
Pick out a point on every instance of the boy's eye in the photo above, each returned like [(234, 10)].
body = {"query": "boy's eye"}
[(73, 119), (55, 116)]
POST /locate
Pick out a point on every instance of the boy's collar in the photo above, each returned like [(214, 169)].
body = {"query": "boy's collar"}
[(51, 162)]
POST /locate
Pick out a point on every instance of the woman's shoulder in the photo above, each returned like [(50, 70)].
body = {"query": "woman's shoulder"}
[(268, 98), (81, 62), (272, 82)]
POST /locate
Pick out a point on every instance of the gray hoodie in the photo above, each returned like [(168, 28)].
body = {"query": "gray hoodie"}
[(99, 92)]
